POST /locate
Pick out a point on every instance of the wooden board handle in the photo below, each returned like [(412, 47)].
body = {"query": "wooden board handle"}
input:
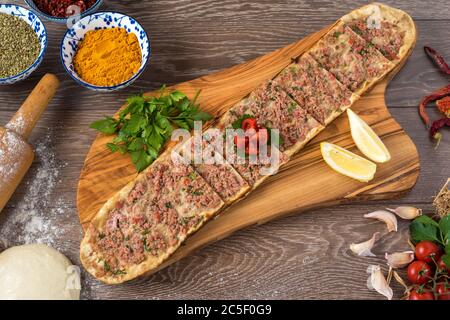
[(25, 119)]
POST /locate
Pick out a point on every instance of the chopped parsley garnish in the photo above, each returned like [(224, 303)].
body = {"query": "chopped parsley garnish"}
[(119, 272), (292, 107), (197, 193), (192, 175), (146, 248), (185, 220), (106, 266)]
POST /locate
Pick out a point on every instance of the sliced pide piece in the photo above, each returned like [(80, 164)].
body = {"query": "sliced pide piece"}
[(272, 108), (315, 89), (188, 192), (257, 173), (296, 126), (140, 227), (350, 59), (211, 166), (254, 169), (391, 31)]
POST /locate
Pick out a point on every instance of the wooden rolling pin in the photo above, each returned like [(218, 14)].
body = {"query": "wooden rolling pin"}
[(16, 155)]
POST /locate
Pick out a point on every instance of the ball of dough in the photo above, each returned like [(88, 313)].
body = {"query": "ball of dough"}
[(37, 272)]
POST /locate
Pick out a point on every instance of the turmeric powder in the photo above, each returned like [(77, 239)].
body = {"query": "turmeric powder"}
[(108, 57)]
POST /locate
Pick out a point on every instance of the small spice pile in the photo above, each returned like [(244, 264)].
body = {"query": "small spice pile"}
[(19, 45), (61, 8), (442, 200), (108, 57)]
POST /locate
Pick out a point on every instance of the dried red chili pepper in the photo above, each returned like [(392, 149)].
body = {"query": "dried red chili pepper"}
[(434, 130), (444, 106), (441, 93), (58, 8), (437, 59)]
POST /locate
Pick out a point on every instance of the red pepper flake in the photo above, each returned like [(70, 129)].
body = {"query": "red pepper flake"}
[(441, 93), (58, 8), (444, 106), (437, 59)]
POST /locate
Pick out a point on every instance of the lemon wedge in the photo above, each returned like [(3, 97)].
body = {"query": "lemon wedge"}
[(367, 140), (347, 163)]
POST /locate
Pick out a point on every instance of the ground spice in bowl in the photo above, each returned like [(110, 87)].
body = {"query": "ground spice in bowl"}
[(19, 45), (59, 8), (108, 57)]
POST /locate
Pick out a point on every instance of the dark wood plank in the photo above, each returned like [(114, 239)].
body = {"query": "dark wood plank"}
[(294, 257), (191, 52)]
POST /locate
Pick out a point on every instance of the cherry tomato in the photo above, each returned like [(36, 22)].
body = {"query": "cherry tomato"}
[(263, 136), (249, 123), (419, 272), (427, 251), (442, 266), (417, 294), (443, 291)]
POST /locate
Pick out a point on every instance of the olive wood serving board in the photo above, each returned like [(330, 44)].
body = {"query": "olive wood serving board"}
[(305, 182)]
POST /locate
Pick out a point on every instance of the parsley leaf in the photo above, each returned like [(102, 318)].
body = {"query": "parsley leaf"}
[(146, 123), (106, 126), (424, 228), (238, 123)]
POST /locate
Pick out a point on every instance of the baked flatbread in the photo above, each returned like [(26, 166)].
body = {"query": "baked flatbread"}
[(140, 227)]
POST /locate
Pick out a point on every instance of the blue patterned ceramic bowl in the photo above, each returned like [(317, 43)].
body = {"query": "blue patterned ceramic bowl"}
[(96, 21), (38, 27), (46, 16)]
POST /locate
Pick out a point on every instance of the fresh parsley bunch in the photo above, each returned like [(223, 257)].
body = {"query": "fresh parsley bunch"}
[(425, 228), (146, 124)]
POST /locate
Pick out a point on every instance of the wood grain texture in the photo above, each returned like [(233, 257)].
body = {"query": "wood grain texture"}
[(104, 174), (302, 256)]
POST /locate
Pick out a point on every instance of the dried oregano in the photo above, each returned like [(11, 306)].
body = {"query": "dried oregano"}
[(19, 45)]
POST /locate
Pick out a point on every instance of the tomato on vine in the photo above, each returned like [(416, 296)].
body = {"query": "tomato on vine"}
[(420, 294), (443, 291), (427, 251), (419, 272)]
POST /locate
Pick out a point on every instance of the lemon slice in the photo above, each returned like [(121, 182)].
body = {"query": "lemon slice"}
[(347, 163), (367, 140)]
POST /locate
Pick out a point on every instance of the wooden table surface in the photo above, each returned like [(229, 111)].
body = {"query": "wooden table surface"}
[(304, 256)]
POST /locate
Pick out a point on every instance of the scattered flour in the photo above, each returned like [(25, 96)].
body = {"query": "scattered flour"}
[(11, 148), (17, 124), (32, 218)]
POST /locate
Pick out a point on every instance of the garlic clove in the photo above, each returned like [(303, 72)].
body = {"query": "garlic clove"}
[(377, 282), (406, 213), (363, 249), (385, 216), (399, 259)]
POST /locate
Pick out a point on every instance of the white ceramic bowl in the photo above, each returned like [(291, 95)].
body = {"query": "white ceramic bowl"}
[(46, 16), (38, 26), (96, 21)]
